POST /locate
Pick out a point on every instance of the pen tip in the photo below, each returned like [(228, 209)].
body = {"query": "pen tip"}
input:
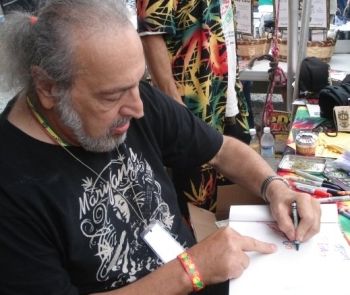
[(297, 245)]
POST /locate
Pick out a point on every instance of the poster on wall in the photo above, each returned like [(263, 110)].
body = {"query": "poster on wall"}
[(244, 17), (318, 16)]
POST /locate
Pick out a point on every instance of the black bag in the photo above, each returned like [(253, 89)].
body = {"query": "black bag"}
[(314, 75), (332, 96)]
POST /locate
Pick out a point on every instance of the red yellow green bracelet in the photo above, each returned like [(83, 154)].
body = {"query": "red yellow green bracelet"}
[(191, 270)]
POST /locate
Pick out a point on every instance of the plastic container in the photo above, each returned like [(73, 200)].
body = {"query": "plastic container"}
[(254, 140), (267, 148), (305, 143), (267, 144)]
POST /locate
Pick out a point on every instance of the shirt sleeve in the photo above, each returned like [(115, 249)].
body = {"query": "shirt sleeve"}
[(156, 16), (184, 140)]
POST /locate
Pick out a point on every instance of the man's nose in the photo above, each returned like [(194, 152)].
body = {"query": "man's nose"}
[(133, 105)]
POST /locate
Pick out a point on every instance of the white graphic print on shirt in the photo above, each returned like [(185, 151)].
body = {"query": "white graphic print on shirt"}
[(113, 210)]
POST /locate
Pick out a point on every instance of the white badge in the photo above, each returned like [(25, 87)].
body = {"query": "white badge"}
[(161, 242)]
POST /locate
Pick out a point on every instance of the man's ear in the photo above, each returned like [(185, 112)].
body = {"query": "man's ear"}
[(44, 86)]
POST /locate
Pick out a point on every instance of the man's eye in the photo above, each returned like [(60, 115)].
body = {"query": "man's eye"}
[(112, 98)]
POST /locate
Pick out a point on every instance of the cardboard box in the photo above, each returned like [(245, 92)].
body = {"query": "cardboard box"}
[(203, 221)]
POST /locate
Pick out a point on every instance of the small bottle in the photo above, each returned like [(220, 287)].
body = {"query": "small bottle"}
[(267, 148), (254, 140)]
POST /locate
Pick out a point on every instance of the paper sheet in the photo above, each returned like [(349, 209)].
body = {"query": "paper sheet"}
[(314, 110), (321, 266), (332, 147)]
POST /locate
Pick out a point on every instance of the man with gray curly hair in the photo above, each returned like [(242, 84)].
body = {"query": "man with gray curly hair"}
[(86, 204)]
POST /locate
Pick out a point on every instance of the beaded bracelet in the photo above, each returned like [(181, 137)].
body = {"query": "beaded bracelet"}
[(266, 183), (191, 270)]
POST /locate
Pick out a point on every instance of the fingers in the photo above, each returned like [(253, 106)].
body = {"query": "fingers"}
[(238, 265), (281, 212), (309, 217), (251, 244), (247, 244), (225, 254)]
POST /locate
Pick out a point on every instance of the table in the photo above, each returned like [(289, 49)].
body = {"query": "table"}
[(303, 121)]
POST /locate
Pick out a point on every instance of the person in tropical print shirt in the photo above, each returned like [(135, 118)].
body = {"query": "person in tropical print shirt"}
[(191, 56)]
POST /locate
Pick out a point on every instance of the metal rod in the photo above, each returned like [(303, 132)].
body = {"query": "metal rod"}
[(304, 37), (293, 6)]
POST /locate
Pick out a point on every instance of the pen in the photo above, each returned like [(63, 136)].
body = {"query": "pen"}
[(321, 181), (303, 180), (312, 190), (334, 199), (331, 191), (336, 193), (295, 221), (308, 176), (344, 213), (313, 182)]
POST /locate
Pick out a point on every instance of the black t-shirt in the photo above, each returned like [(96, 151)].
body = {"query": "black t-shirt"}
[(69, 229)]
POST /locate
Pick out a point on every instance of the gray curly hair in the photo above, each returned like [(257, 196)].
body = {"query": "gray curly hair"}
[(49, 40)]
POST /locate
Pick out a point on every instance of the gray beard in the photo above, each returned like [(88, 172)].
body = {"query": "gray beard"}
[(71, 119)]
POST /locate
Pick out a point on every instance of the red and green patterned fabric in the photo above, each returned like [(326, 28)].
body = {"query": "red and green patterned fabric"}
[(193, 34), (194, 38)]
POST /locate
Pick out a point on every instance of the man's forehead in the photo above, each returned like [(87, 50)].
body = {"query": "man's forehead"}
[(112, 45), (115, 60)]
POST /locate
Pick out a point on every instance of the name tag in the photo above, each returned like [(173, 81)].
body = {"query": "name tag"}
[(161, 242)]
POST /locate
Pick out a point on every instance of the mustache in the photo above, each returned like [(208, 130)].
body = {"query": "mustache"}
[(121, 122)]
